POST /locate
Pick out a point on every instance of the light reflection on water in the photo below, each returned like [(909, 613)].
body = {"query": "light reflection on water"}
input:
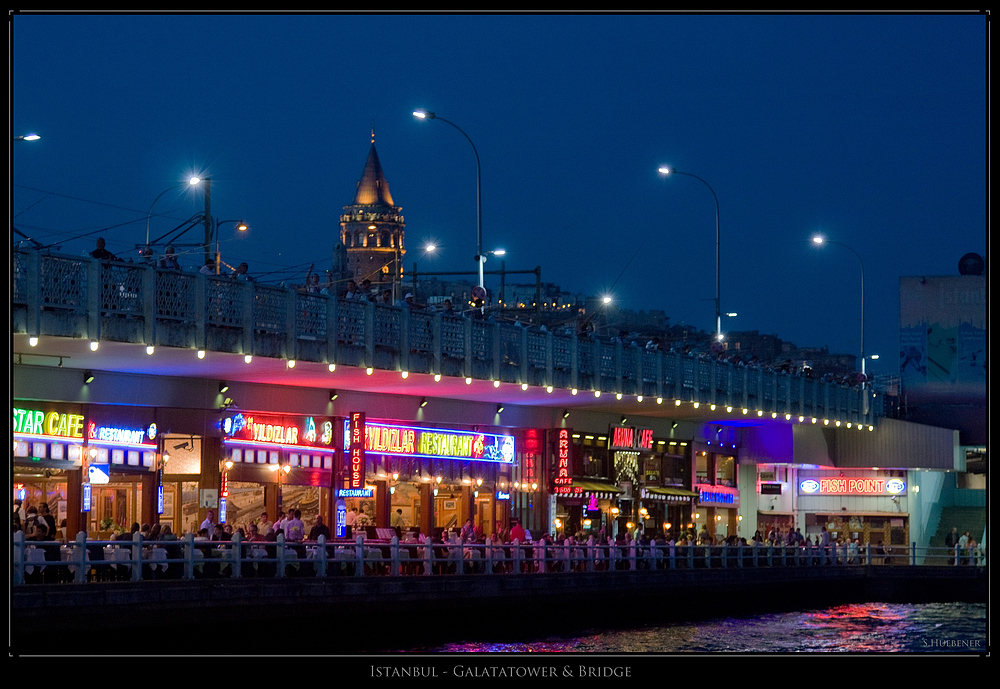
[(862, 627)]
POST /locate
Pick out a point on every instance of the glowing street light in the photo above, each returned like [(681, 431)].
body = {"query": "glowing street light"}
[(480, 257), (666, 171), (819, 240)]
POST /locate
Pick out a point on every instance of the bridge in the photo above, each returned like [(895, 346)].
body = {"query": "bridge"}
[(185, 316)]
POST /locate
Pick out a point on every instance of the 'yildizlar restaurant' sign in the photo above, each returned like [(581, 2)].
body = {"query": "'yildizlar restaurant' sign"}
[(435, 443)]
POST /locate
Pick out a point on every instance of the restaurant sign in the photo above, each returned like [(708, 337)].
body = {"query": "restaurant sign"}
[(281, 431), (722, 496), (562, 458), (434, 443), (630, 438), (852, 486)]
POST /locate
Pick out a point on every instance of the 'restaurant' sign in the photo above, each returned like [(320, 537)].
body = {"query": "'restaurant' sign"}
[(723, 496), (357, 457)]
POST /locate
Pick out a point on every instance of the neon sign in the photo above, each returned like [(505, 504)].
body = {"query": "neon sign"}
[(568, 490), (34, 422), (121, 436), (562, 458), (358, 437), (410, 441), (502, 495), (355, 492), (852, 486), (717, 495), (280, 431), (630, 438)]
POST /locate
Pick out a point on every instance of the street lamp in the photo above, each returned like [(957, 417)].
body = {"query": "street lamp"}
[(666, 171), (480, 258), (240, 226), (191, 182), (27, 137), (819, 240)]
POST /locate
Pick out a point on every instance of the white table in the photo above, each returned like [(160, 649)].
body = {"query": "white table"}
[(35, 555)]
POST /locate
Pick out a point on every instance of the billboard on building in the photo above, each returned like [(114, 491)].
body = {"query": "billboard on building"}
[(942, 353)]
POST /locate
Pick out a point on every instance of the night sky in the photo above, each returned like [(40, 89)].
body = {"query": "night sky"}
[(870, 129)]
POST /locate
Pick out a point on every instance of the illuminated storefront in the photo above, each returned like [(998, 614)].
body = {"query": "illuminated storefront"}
[(47, 459), (436, 478), (868, 505), (277, 462), (95, 466), (716, 483)]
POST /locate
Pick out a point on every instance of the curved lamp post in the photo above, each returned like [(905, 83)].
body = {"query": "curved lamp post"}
[(240, 226), (666, 171), (480, 257), (191, 182), (819, 240)]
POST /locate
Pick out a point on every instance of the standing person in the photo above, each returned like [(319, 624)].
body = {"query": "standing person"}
[(264, 524), (35, 528), (468, 531), (319, 529), (950, 541), (50, 521), (963, 543), (101, 252), (396, 519), (296, 530), (517, 532), (169, 260), (240, 273), (209, 523), (19, 510), (352, 517), (208, 268)]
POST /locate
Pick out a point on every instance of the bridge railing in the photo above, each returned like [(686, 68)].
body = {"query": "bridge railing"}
[(85, 561), (73, 296)]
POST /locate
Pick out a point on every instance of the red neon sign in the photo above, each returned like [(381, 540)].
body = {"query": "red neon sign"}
[(357, 450), (562, 453), (864, 486)]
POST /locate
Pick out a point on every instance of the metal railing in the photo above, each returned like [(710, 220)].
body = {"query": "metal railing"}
[(72, 296), (88, 561)]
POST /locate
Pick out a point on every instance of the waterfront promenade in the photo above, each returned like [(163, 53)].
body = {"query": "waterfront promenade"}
[(382, 604)]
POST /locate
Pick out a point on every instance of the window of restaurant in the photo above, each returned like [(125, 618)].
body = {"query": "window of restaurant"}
[(701, 467), (181, 476), (725, 470), (35, 486)]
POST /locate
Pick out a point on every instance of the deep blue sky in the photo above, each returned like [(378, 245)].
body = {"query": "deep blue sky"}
[(871, 129)]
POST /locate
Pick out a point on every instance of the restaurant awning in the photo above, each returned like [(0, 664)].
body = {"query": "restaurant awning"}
[(667, 493), (589, 486)]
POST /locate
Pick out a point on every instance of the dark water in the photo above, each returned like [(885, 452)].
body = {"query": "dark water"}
[(854, 628)]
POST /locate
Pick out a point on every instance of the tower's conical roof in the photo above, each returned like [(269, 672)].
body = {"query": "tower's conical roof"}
[(373, 189)]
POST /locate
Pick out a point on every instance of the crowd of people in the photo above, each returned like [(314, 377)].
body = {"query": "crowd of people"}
[(963, 548)]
